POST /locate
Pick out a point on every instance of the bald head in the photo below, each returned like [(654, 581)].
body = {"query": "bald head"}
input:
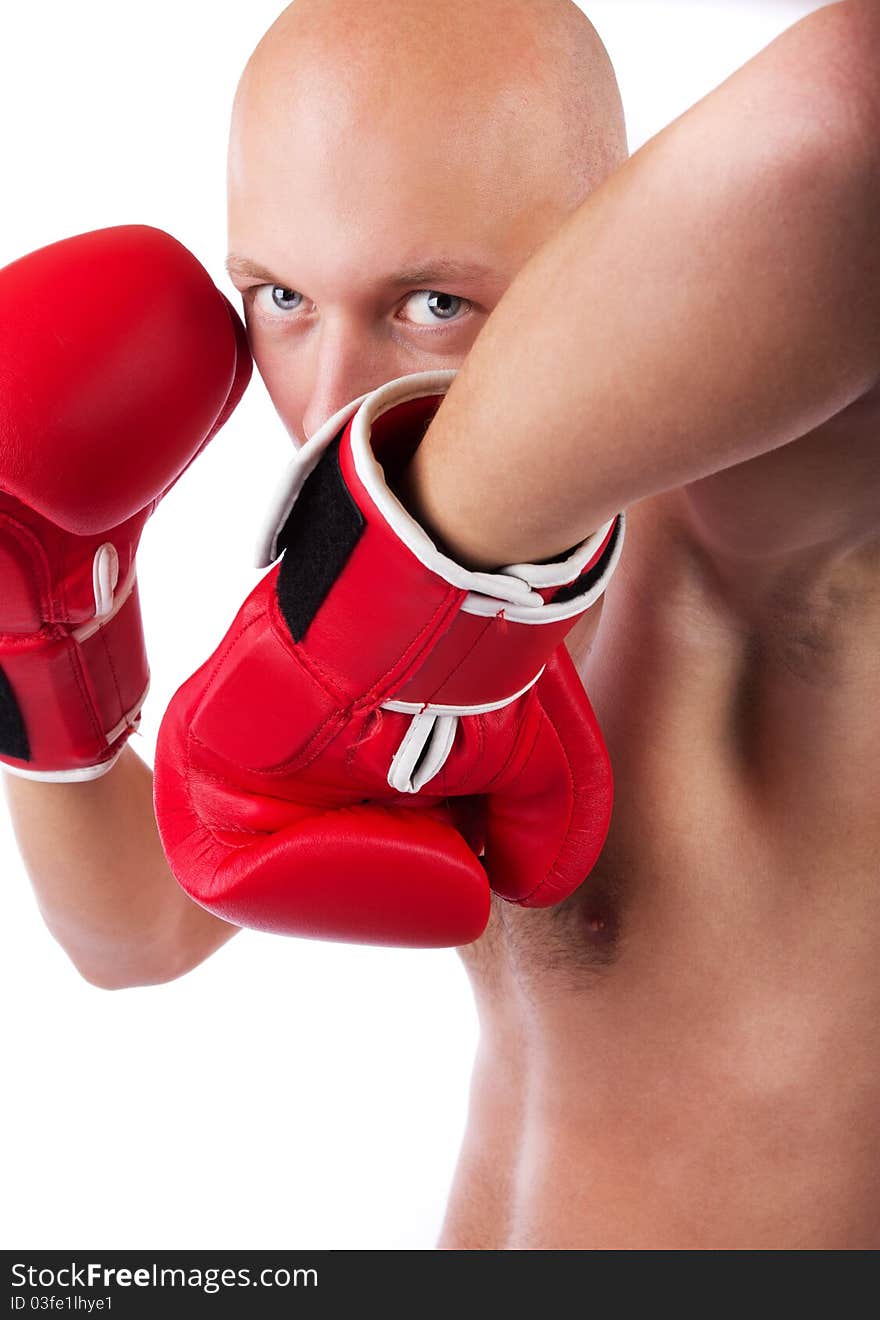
[(526, 83), (386, 151)]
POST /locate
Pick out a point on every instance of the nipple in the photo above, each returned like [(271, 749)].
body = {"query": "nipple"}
[(600, 921)]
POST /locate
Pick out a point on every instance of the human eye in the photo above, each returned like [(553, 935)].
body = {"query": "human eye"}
[(430, 307), (272, 299)]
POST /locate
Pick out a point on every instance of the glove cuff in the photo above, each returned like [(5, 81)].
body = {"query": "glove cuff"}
[(376, 607), (515, 583)]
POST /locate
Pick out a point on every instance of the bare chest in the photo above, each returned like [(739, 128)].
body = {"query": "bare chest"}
[(745, 741), (685, 1050)]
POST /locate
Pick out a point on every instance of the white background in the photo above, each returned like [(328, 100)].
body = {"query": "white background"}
[(285, 1094)]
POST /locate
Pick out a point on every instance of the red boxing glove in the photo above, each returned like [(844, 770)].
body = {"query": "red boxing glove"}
[(120, 360), (318, 774)]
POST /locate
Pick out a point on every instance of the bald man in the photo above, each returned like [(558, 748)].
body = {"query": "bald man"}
[(683, 1054)]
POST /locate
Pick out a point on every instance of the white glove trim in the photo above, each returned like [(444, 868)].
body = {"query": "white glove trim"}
[(416, 707), (510, 589), (434, 732)]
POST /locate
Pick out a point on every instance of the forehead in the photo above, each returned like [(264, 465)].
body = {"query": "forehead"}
[(344, 174)]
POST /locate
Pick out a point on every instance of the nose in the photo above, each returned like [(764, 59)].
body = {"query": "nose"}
[(344, 365)]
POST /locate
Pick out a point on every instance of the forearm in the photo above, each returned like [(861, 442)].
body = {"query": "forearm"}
[(716, 298), (104, 888)]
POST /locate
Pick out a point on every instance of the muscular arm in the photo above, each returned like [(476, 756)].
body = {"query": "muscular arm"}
[(93, 854), (716, 299)]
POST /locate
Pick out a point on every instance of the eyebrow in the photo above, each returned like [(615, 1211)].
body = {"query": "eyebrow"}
[(421, 273)]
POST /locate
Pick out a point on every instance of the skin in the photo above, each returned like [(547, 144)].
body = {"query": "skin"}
[(341, 181), (683, 1053)]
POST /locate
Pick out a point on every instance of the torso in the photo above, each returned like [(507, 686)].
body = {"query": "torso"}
[(685, 1053)]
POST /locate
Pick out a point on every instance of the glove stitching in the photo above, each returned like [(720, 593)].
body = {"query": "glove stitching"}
[(112, 667), (477, 725), (411, 659), (467, 655), (517, 744), (302, 758), (32, 544), (194, 814), (53, 630), (232, 640), (369, 730), (391, 678), (448, 606), (309, 665), (72, 655)]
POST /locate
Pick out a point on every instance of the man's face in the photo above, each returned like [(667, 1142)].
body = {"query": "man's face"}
[(368, 245)]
